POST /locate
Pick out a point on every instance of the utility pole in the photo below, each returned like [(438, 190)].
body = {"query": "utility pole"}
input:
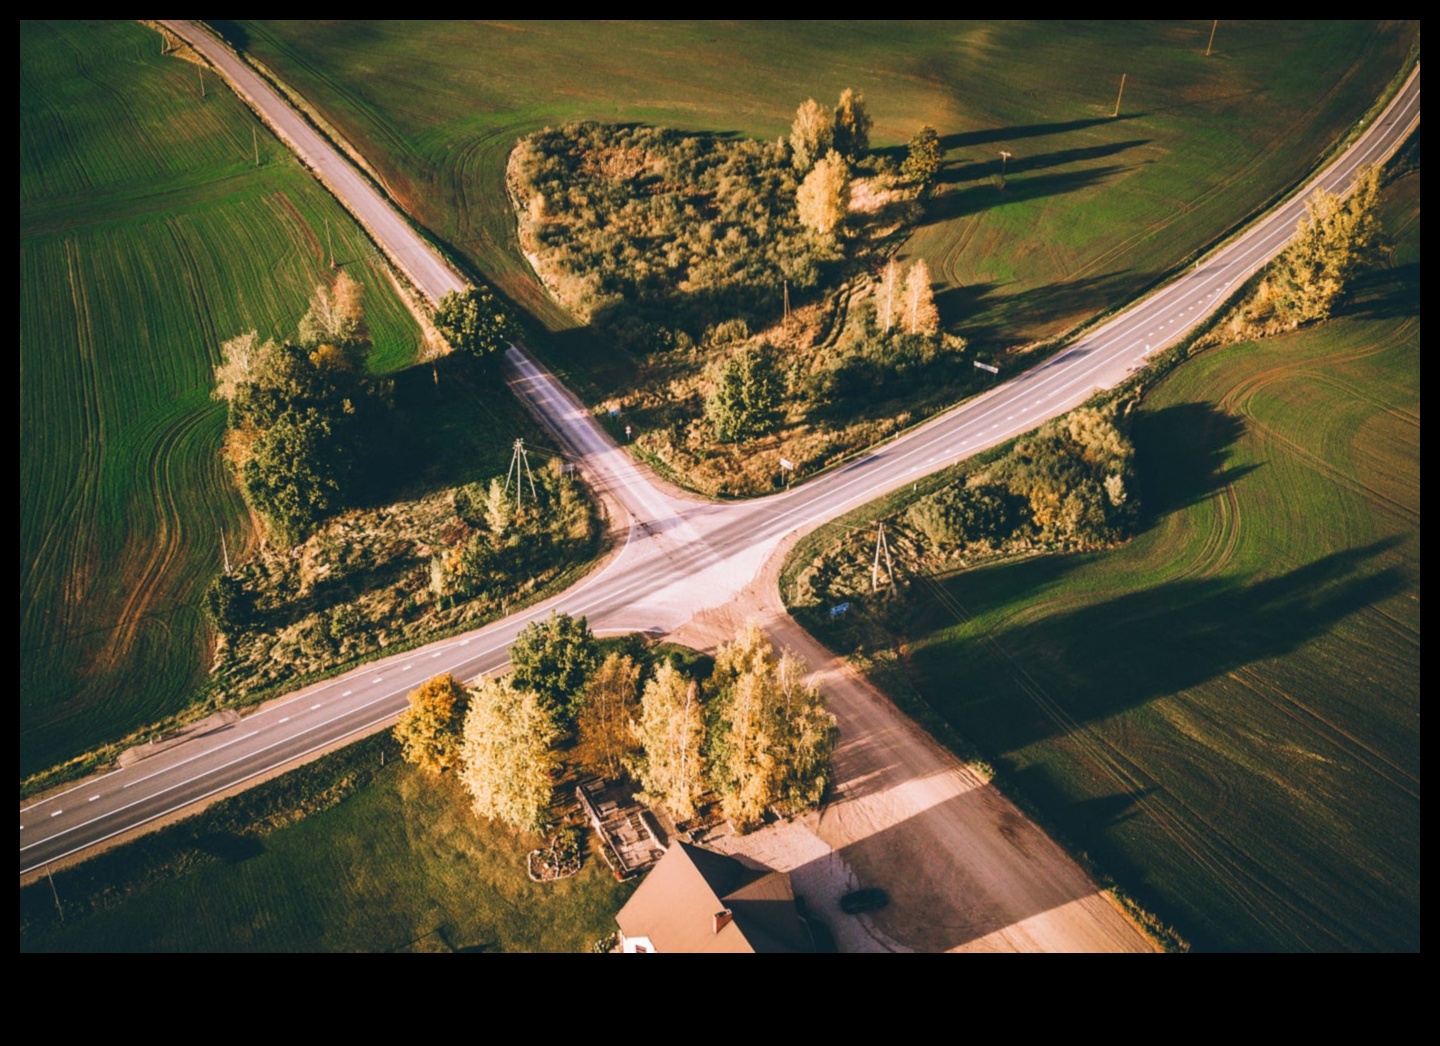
[(201, 70), (55, 893), (330, 243), (1213, 23), (1119, 96), (519, 460), (255, 138), (225, 552), (882, 547), (786, 285)]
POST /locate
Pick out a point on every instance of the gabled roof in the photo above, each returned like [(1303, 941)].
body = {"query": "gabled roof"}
[(677, 904)]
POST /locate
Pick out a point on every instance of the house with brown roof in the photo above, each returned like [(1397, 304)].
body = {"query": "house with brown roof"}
[(696, 900)]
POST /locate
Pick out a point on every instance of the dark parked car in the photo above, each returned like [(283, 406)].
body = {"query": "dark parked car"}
[(867, 900)]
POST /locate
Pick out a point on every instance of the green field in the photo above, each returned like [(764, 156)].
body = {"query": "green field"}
[(401, 865), (147, 237), (1225, 712), (1094, 209)]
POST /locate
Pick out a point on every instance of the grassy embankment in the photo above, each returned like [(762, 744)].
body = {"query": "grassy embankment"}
[(1093, 209), (1224, 714), (148, 236), (381, 859)]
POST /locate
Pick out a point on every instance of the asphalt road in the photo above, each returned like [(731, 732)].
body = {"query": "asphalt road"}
[(681, 556)]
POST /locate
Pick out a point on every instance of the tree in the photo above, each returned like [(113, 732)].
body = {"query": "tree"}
[(429, 731), (335, 319), (609, 704), (476, 322), (671, 738), (554, 658), (823, 198), (298, 471), (238, 357), (921, 316), (922, 158), (507, 759), (811, 135), (746, 396), (889, 288), (770, 737), (852, 125), (1334, 240)]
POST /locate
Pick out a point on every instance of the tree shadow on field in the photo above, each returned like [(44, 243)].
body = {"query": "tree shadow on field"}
[(992, 320), (960, 203), (992, 167), (1108, 657), (1180, 456), (1383, 294), (1016, 133), (230, 847)]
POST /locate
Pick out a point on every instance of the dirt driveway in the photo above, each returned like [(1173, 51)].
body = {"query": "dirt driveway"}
[(965, 869)]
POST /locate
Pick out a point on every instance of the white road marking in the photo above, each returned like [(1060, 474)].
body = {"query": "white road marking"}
[(92, 798), (57, 813), (285, 719), (407, 668), (313, 707)]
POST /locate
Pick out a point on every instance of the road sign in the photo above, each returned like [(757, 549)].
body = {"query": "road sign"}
[(837, 611), (627, 431), (786, 463), (986, 366)]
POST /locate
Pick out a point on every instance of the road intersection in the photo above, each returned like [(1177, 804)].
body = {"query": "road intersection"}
[(680, 556)]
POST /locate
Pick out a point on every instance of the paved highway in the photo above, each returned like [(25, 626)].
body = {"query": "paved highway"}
[(680, 556)]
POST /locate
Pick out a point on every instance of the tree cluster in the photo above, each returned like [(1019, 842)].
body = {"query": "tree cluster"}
[(755, 734), (1067, 483), (301, 413), (818, 131), (1334, 241), (476, 322)]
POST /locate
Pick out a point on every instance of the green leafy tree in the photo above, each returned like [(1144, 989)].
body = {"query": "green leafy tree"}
[(670, 736), (554, 658), (812, 134), (823, 198), (770, 736), (476, 322), (507, 756), (922, 157), (852, 125), (299, 471), (229, 603), (1336, 238), (429, 730), (747, 395)]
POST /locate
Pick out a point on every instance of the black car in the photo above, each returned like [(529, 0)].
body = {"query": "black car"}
[(867, 900)]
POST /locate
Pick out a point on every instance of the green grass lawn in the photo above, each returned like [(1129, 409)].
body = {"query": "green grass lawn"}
[(1225, 712), (147, 237), (1093, 208), (401, 865)]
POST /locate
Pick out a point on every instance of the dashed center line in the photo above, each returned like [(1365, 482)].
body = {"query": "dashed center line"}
[(92, 798), (285, 719)]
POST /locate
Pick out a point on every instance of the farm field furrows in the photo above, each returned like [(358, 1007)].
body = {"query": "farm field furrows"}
[(1225, 712), (148, 236), (1093, 209)]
